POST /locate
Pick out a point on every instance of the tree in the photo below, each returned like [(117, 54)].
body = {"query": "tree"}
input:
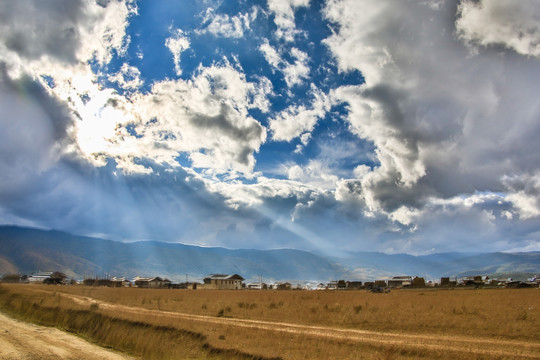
[(11, 278), (418, 282), (55, 278)]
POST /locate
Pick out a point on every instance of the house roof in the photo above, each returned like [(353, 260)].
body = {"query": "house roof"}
[(225, 277), (401, 278), (45, 273), (149, 279)]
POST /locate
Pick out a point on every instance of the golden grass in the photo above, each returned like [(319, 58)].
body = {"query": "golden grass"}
[(502, 314), (512, 313), (148, 340)]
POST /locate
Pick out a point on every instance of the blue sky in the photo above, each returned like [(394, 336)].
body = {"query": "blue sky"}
[(329, 126)]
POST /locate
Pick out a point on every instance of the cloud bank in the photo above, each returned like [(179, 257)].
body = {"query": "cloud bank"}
[(393, 126)]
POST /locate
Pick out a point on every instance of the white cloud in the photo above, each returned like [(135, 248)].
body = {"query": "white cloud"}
[(223, 25), (298, 70), (454, 132), (37, 38), (295, 72), (315, 173), (271, 55), (206, 116), (259, 93), (177, 44), (44, 41), (444, 123), (248, 195), (128, 78), (298, 119), (283, 11), (305, 138), (356, 47), (524, 193), (361, 170), (514, 24)]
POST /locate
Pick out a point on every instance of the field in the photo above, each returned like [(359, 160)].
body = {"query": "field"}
[(206, 324)]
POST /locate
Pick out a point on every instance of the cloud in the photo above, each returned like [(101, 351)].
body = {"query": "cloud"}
[(37, 36), (177, 44), (216, 132), (296, 120), (316, 173), (34, 133), (223, 25), (294, 72), (444, 123), (438, 149), (128, 78), (283, 11), (524, 194), (206, 117), (53, 46), (510, 23)]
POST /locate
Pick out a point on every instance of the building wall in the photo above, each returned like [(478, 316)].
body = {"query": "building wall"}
[(219, 284)]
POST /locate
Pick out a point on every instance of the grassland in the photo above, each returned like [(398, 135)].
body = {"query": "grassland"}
[(406, 324)]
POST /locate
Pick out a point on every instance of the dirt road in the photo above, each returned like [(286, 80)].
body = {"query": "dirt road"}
[(451, 344), (19, 340)]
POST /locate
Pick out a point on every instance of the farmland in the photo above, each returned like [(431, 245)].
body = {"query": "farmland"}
[(405, 324)]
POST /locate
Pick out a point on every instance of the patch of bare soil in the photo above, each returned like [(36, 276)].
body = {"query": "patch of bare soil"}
[(20, 340)]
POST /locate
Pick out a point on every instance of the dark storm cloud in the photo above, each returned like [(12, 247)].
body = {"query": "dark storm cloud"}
[(34, 132), (444, 121)]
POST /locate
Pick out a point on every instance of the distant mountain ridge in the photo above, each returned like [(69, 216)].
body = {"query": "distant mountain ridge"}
[(27, 250), (443, 264)]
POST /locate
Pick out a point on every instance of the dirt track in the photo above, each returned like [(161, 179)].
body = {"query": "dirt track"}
[(451, 344), (19, 340)]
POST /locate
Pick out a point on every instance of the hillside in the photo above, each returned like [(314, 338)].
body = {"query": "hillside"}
[(29, 250), (26, 250)]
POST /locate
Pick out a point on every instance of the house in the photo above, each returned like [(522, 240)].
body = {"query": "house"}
[(257, 286), (332, 285), (98, 282), (445, 281), (120, 282), (222, 282), (282, 286), (39, 278), (336, 285), (354, 285), (519, 284), (151, 282), (471, 281), (186, 285), (400, 281)]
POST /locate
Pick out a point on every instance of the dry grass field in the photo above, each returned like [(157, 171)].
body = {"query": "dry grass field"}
[(206, 324)]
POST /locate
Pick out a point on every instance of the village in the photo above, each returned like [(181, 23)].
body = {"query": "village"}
[(237, 282)]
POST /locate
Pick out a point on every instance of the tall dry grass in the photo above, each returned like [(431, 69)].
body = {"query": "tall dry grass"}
[(138, 337), (501, 314), (510, 313)]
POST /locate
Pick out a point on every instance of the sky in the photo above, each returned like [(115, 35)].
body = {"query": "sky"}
[(328, 126)]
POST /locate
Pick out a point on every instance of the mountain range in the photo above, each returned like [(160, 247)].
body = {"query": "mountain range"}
[(27, 250)]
